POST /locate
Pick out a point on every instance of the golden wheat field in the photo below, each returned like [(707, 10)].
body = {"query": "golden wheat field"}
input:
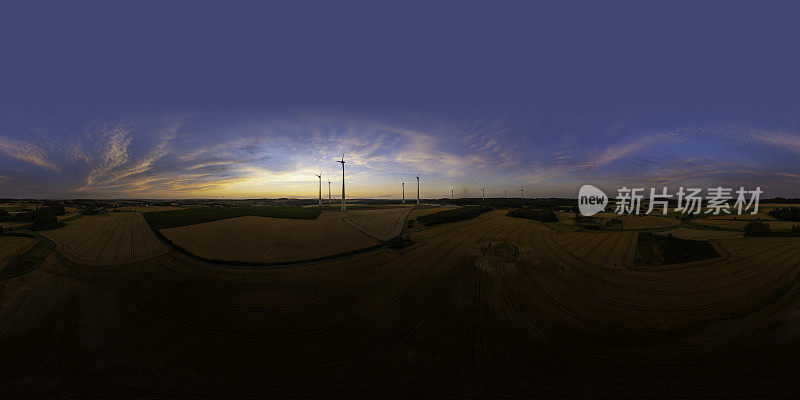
[(418, 212), (488, 307), (107, 239), (381, 224), (266, 240)]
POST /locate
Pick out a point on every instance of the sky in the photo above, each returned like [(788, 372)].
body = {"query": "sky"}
[(252, 99)]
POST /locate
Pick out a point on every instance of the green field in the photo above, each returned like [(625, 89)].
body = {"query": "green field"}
[(456, 214), (197, 215)]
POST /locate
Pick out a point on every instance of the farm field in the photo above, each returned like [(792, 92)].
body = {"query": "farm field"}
[(488, 307), (103, 240), (628, 221), (418, 212), (150, 208), (641, 221), (13, 207), (381, 224), (11, 246), (196, 215), (273, 240), (760, 216)]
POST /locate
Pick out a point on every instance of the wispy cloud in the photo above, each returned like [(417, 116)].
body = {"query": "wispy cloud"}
[(26, 152), (116, 161), (781, 139), (279, 154)]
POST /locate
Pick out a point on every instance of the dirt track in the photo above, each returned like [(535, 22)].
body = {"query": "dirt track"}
[(493, 306)]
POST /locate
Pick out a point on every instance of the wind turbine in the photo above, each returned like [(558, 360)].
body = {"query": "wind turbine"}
[(452, 196), (329, 192), (404, 193), (505, 193), (483, 194), (319, 175), (417, 189), (344, 208), (523, 192)]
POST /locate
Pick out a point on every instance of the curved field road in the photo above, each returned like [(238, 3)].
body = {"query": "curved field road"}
[(488, 307)]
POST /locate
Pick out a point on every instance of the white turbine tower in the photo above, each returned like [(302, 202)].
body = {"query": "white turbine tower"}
[(452, 195), (344, 208), (523, 192), (319, 175), (483, 194), (404, 193), (505, 193), (417, 189), (329, 192)]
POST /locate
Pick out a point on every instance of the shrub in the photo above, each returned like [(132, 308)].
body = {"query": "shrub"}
[(757, 228), (543, 215), (795, 230)]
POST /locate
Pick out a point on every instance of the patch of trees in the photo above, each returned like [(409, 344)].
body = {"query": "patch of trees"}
[(457, 214), (543, 215), (757, 228), (653, 249), (762, 229), (786, 214)]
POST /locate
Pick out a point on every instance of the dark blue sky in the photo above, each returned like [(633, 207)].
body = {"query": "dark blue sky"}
[(195, 99)]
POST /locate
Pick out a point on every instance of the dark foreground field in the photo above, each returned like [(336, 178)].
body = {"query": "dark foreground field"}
[(493, 306)]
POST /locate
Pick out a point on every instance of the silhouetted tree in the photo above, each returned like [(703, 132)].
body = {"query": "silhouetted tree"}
[(757, 228)]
